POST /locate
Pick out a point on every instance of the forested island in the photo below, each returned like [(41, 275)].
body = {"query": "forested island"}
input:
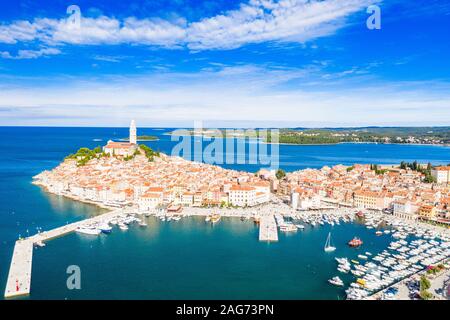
[(305, 136), (143, 138)]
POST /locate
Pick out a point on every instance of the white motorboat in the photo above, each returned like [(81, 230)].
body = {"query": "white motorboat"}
[(123, 226), (105, 228), (336, 281), (88, 230), (142, 223)]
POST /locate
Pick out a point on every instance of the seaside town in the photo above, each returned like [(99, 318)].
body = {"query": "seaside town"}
[(122, 174), (410, 203)]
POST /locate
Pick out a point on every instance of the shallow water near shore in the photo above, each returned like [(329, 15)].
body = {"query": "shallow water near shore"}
[(171, 260)]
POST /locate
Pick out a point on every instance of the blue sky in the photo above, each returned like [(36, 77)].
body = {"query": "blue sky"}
[(257, 62)]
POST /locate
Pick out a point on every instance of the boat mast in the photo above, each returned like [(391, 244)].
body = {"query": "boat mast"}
[(327, 243)]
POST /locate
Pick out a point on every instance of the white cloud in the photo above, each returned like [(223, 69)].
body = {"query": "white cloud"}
[(267, 20), (256, 21), (18, 31), (245, 93), (30, 54)]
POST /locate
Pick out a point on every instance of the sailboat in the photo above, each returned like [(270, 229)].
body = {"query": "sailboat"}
[(328, 246)]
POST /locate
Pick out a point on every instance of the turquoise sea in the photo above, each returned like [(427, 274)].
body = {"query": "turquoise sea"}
[(168, 260)]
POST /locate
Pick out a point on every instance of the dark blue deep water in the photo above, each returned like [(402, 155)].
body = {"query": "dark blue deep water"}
[(185, 259)]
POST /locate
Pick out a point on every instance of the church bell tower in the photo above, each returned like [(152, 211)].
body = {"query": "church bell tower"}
[(133, 136)]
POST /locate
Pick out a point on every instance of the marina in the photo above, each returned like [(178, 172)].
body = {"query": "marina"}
[(19, 276), (371, 272)]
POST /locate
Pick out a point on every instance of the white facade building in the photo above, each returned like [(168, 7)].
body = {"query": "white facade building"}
[(294, 200), (242, 196), (149, 201), (441, 174), (404, 209)]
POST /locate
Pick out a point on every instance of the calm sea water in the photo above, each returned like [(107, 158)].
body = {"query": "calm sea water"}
[(185, 259)]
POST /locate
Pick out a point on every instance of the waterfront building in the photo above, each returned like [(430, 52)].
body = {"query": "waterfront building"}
[(242, 196), (404, 209), (149, 201), (441, 174), (294, 200), (427, 212), (308, 202), (366, 199)]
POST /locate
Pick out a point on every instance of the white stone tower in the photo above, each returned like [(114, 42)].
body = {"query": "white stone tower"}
[(133, 136)]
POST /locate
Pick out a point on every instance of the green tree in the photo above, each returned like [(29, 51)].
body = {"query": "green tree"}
[(424, 283), (425, 295), (280, 174), (98, 149), (149, 153)]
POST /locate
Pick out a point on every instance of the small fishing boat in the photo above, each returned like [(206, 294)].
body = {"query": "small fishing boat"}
[(142, 223), (355, 242), (343, 270), (215, 218), (123, 226), (288, 227), (360, 214), (40, 244), (105, 228)]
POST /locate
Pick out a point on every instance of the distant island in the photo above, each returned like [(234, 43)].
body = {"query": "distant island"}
[(311, 136), (143, 138)]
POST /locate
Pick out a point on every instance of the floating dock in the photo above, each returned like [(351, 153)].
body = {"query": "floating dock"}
[(268, 229), (19, 277)]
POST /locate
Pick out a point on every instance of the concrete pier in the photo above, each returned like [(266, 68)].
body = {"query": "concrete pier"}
[(268, 229), (19, 277)]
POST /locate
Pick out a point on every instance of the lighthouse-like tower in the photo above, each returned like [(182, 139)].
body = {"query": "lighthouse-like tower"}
[(133, 136)]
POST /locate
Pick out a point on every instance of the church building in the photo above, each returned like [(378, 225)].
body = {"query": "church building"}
[(124, 149)]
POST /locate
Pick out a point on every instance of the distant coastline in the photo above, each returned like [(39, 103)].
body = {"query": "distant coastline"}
[(142, 138), (310, 144), (439, 136)]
